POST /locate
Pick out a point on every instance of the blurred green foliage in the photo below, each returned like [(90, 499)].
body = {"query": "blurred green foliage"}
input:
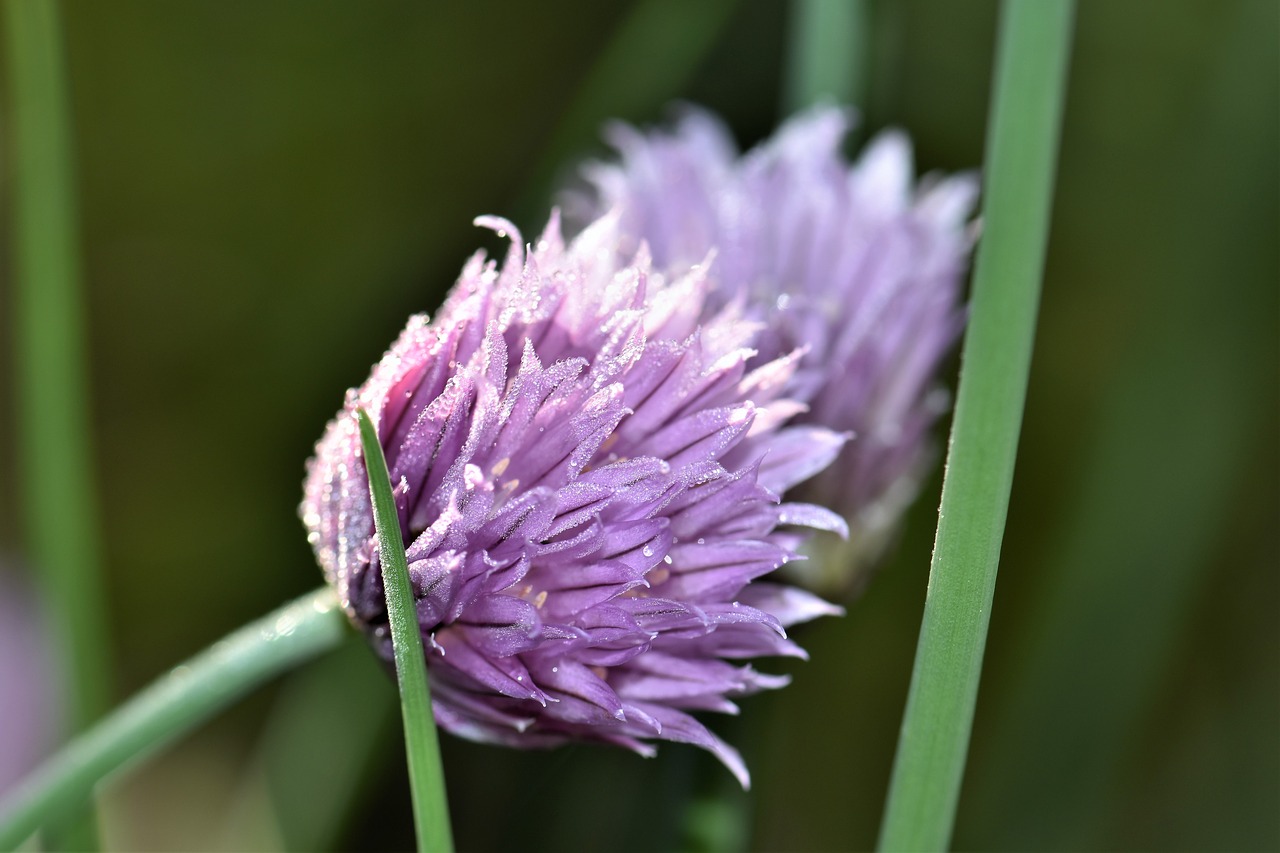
[(269, 189)]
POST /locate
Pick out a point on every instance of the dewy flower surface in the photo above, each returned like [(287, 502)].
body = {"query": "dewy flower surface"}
[(853, 264), (588, 475)]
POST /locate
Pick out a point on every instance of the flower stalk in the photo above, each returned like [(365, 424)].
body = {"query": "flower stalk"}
[(1030, 81), (174, 704)]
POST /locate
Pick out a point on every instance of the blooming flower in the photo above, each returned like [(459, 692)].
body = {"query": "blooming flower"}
[(587, 475), (853, 264)]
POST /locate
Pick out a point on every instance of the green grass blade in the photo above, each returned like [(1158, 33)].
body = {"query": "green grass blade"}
[(176, 703), (827, 58), (426, 776), (1030, 80)]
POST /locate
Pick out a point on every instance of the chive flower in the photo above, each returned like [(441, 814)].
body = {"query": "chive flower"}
[(588, 459), (856, 266)]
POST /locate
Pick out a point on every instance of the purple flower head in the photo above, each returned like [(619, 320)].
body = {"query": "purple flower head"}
[(855, 266), (588, 476)]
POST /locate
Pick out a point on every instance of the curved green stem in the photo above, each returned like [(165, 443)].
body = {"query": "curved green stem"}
[(1030, 80), (174, 704), (422, 746)]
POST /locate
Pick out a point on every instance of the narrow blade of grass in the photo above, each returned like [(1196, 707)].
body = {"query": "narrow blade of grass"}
[(1030, 79), (422, 747), (827, 56), (174, 704)]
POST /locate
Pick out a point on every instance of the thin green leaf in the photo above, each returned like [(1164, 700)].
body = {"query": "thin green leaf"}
[(1030, 80), (1150, 531), (827, 59), (426, 776), (176, 703)]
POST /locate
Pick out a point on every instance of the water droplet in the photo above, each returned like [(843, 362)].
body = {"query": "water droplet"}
[(701, 541), (647, 550)]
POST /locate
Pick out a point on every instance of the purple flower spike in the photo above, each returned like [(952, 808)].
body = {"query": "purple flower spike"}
[(853, 265), (588, 460)]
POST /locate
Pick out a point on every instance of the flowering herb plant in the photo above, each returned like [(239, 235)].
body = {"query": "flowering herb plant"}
[(589, 463)]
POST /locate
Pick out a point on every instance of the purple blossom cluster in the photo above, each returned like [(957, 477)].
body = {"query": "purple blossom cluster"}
[(588, 476), (592, 442), (855, 266)]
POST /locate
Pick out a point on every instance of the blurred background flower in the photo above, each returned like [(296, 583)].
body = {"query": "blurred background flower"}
[(29, 707), (267, 192), (854, 267)]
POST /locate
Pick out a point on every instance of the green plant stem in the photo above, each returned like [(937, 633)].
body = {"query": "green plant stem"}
[(1030, 81), (58, 478), (422, 746), (176, 703), (827, 56)]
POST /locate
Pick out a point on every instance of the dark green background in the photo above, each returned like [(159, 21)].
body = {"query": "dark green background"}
[(269, 189)]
